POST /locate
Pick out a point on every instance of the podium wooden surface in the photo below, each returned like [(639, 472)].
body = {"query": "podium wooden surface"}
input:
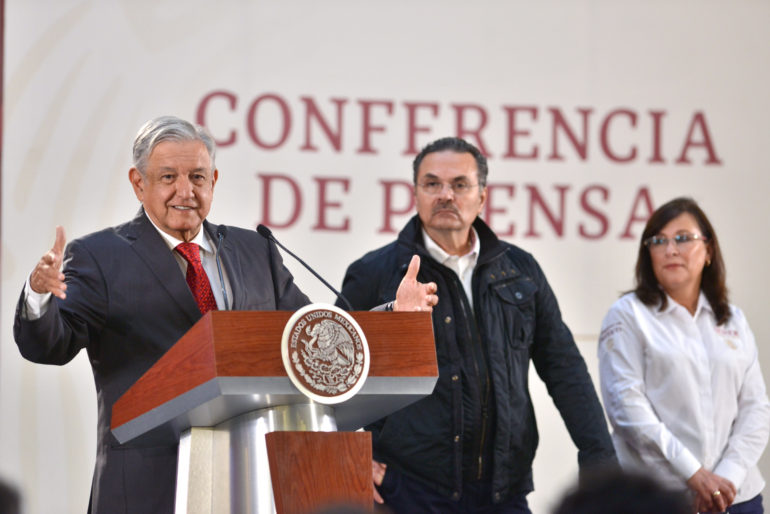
[(345, 463), (230, 363)]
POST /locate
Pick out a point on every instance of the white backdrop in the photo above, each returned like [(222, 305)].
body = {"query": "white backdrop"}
[(592, 112)]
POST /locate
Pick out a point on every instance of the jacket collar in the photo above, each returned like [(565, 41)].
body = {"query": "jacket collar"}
[(491, 246), (153, 250), (672, 305)]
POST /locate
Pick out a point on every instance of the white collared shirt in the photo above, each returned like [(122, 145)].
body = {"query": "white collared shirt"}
[(682, 392), (208, 260), (37, 303), (462, 265)]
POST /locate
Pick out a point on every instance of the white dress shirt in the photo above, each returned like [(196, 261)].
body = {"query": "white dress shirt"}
[(683, 393), (208, 260), (37, 303), (462, 265)]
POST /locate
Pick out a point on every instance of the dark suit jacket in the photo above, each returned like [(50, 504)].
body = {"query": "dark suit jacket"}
[(127, 303)]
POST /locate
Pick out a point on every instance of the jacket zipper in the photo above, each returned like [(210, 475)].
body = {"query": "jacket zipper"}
[(483, 384), (484, 419)]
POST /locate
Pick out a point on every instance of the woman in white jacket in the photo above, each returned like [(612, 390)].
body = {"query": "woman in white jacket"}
[(679, 371)]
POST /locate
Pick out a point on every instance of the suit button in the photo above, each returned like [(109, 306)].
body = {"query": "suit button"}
[(457, 438), (455, 378), (518, 295), (448, 320), (455, 496)]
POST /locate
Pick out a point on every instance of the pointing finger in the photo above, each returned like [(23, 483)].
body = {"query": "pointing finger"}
[(414, 267), (61, 240)]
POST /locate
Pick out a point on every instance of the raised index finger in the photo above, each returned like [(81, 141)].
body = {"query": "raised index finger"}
[(414, 267), (61, 240)]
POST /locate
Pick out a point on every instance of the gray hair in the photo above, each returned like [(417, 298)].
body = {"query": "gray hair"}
[(168, 128)]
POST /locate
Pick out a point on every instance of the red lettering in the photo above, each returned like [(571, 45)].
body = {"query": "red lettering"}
[(698, 120), (656, 157), (312, 112), (490, 210), (366, 122), (642, 196), (580, 146), (411, 126), (513, 132), (390, 211), (324, 204), (604, 139), (285, 118), (544, 202), (200, 114), (604, 223), (567, 134), (267, 184), (464, 132), (535, 199)]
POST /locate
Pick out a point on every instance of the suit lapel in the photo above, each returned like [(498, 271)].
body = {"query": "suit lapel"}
[(153, 250)]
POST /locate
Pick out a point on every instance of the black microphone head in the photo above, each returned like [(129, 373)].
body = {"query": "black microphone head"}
[(264, 231), (221, 232)]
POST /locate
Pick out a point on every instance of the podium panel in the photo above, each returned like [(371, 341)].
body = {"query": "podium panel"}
[(226, 373), (313, 470)]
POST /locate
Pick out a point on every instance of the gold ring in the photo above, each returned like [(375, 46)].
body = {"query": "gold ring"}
[(716, 493)]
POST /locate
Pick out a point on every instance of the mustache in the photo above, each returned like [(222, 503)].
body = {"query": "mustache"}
[(445, 206)]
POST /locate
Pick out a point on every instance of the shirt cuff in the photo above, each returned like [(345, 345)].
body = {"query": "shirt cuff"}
[(732, 472), (385, 307), (686, 464), (37, 303)]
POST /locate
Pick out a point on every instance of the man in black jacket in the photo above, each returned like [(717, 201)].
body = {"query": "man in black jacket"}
[(469, 446)]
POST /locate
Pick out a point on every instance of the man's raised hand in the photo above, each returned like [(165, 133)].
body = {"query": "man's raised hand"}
[(413, 295), (47, 276)]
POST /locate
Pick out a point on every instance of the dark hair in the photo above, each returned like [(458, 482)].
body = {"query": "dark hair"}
[(712, 282), (10, 498), (630, 493), (458, 145)]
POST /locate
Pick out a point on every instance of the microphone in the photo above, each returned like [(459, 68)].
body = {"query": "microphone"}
[(221, 233), (268, 234)]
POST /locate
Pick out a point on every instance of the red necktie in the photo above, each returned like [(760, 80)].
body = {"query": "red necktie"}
[(197, 278)]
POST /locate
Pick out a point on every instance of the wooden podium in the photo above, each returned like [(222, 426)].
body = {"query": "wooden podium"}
[(222, 390)]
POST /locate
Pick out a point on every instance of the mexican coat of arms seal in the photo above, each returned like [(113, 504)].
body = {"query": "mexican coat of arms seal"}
[(325, 353)]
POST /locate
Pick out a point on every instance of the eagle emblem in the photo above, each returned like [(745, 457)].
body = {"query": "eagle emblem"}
[(326, 352)]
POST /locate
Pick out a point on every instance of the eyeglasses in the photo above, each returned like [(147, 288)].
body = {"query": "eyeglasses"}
[(682, 241), (459, 188)]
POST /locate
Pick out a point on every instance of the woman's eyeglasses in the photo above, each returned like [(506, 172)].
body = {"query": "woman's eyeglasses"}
[(682, 241)]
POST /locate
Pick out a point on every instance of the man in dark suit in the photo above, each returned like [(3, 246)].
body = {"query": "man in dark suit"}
[(127, 293)]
